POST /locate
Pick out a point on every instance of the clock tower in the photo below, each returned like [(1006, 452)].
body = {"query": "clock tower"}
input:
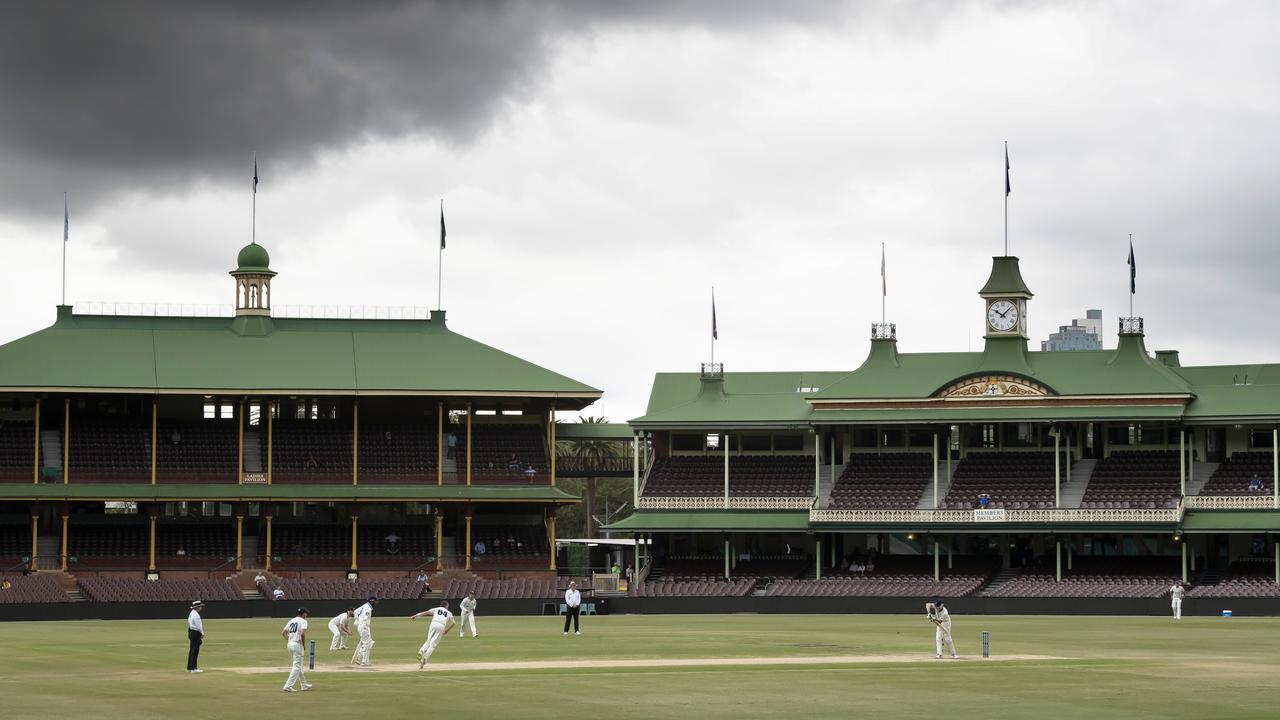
[(1005, 296)]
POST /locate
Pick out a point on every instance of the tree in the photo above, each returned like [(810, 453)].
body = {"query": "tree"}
[(583, 517)]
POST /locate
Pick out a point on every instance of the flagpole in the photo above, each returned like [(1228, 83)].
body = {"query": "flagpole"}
[(713, 327), (440, 261), (1006, 198), (1130, 274), (253, 211), (66, 220), (884, 289)]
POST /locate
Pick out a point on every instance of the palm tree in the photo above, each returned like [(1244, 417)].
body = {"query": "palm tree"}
[(589, 449)]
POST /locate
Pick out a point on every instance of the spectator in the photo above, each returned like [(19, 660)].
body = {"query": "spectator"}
[(311, 463), (530, 472), (259, 578), (451, 442), (176, 438), (479, 548), (514, 462), (182, 552), (7, 585), (28, 567), (422, 577), (615, 570), (1255, 485), (629, 574), (277, 594), (387, 435), (984, 500)]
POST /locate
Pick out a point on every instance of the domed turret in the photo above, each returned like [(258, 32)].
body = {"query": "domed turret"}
[(253, 281), (253, 258)]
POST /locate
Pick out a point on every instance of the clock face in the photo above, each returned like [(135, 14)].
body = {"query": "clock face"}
[(1002, 315)]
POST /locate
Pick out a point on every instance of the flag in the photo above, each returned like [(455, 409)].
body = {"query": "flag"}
[(66, 220), (442, 232), (715, 332), (255, 173), (1007, 187), (884, 286), (1133, 269)]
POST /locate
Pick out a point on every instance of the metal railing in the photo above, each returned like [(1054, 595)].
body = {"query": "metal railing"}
[(884, 331), (712, 371), (1130, 326), (926, 517), (1259, 501), (718, 503), (221, 310)]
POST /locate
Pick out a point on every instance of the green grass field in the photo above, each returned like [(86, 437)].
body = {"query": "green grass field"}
[(1108, 668)]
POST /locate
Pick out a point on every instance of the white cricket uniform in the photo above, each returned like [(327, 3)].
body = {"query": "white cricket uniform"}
[(364, 620), (468, 616), (294, 630), (943, 631), (336, 625), (1175, 595), (440, 618)]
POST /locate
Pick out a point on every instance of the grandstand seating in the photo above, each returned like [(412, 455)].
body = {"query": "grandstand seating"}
[(749, 476), (31, 589), (503, 453), (311, 451), (510, 546), (1013, 480), (1233, 476), (15, 544), (1095, 578), (109, 451), (531, 588), (688, 568), (700, 588), (17, 444), (414, 545), (888, 480), (202, 544), (1248, 579), (354, 591), (197, 451), (106, 546), (896, 576), (1134, 479), (397, 452), (329, 546), (118, 589)]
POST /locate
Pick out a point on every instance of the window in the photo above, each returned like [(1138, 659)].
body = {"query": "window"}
[(864, 437), (1261, 439), (756, 443), (892, 437), (921, 437), (788, 443), (686, 443), (989, 436)]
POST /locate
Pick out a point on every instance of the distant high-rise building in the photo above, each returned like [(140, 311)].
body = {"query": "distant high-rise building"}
[(1082, 334)]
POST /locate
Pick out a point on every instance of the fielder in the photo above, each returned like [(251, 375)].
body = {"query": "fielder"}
[(340, 626), (939, 616), (1175, 595), (468, 606), (295, 634), (364, 619), (441, 623)]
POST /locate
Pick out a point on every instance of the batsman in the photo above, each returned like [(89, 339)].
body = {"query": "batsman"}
[(939, 616)]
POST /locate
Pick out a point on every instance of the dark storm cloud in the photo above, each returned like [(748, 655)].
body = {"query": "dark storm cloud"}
[(106, 97)]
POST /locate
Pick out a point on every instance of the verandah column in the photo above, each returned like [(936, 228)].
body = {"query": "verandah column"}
[(937, 560), (439, 540), (1182, 462), (1275, 473), (154, 422), (470, 412), (151, 541), (35, 535), (439, 451), (355, 526), (35, 457), (1057, 484), (1184, 560), (468, 539), (817, 464), (635, 473), (355, 442), (551, 535), (66, 440), (935, 470), (239, 450), (239, 541), (269, 519), (552, 448), (63, 554), (725, 439), (1057, 554), (271, 414)]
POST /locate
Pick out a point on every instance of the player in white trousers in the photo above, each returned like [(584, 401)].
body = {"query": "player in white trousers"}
[(441, 623), (295, 634), (1175, 595), (939, 616), (340, 626), (468, 606), (364, 623)]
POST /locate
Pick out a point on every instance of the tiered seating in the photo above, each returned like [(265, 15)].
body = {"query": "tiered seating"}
[(312, 546), (1095, 578), (514, 588), (197, 451), (202, 545), (895, 576), (116, 451), (1243, 580), (510, 545), (338, 589), (311, 451), (17, 446), (690, 568), (1134, 479), (101, 546), (702, 588), (1233, 476), (32, 589), (116, 589), (889, 480), (1014, 480), (15, 544), (397, 452), (413, 545), (503, 453), (749, 476)]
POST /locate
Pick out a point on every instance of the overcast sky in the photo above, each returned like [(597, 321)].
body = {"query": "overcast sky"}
[(604, 164)]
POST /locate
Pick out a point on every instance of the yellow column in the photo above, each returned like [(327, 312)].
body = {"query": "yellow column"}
[(439, 448), (268, 554), (239, 543), (355, 444), (35, 538), (35, 461), (240, 453), (439, 541), (468, 540), (154, 422), (551, 538), (469, 413), (270, 426), (355, 523), (151, 544), (66, 440), (64, 543), (552, 445)]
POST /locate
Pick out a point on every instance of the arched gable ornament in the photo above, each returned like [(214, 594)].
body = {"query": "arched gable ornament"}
[(995, 386)]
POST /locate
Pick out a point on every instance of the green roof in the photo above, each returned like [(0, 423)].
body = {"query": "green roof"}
[(256, 493), (944, 413), (713, 521), (272, 356), (593, 431), (763, 398), (1231, 521), (253, 258), (1005, 279), (1234, 392)]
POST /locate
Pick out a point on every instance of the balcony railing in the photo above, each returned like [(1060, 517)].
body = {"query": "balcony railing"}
[(712, 371), (1260, 501), (927, 517), (1130, 326), (884, 331), (718, 503)]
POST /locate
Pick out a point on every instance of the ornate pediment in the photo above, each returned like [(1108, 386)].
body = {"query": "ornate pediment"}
[(994, 386)]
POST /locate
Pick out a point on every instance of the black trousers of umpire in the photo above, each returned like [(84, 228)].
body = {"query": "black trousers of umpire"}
[(571, 613), (193, 654)]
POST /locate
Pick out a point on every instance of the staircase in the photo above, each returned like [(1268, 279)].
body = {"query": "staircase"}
[(1201, 471), (1001, 578), (1210, 577), (68, 583), (944, 485), (51, 451), (825, 483), (1077, 483), (252, 453), (49, 553), (450, 467)]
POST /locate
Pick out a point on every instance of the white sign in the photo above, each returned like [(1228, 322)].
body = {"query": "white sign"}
[(255, 478), (989, 515)]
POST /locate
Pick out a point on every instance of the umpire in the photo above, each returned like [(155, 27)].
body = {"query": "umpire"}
[(572, 604), (195, 635)]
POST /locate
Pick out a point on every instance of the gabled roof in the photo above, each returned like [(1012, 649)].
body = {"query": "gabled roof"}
[(272, 356), (1233, 392), (748, 398)]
